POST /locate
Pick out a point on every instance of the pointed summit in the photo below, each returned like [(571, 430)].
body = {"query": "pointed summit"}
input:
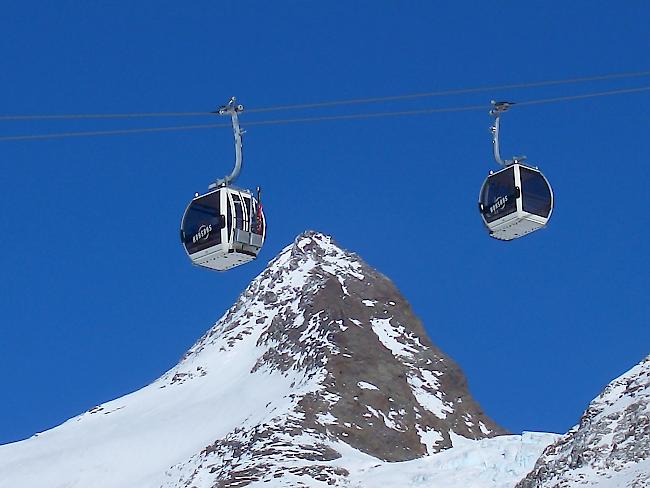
[(611, 444), (363, 371), (319, 363)]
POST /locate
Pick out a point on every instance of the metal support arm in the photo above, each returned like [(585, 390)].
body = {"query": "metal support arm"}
[(497, 109), (232, 109)]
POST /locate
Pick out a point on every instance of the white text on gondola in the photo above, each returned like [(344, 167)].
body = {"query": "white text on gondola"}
[(499, 204), (203, 233)]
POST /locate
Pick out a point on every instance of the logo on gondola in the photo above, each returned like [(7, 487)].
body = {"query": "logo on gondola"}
[(202, 234), (499, 204)]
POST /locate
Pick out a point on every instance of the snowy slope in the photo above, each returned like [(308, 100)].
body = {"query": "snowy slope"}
[(319, 375), (610, 447), (498, 462)]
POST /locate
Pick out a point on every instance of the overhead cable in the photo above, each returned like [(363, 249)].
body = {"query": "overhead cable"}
[(568, 98), (460, 91), (103, 116), (370, 115), (58, 135), (354, 101)]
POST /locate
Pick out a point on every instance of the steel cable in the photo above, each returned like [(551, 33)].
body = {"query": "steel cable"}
[(370, 115), (354, 101), (461, 91)]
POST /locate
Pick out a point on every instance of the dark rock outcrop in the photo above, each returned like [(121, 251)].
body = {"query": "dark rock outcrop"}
[(610, 445), (365, 373)]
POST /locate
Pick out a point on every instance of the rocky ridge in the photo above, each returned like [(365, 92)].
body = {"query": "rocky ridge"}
[(362, 373), (611, 444), (320, 375)]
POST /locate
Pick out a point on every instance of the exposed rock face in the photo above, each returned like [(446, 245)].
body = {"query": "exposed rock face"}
[(611, 444), (363, 374), (318, 374)]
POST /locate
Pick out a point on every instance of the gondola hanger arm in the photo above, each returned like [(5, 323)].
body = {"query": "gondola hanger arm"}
[(233, 109), (497, 109)]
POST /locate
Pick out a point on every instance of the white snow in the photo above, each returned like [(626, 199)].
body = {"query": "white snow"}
[(343, 287), (483, 428), (429, 397), (327, 419), (389, 335), (150, 430), (634, 475), (498, 462), (389, 420), (162, 435), (610, 444), (430, 438), (135, 440)]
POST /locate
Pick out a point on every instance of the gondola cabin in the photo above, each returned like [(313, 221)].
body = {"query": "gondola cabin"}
[(515, 201), (223, 228)]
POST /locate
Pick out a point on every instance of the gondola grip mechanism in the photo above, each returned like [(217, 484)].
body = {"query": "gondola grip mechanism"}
[(497, 109), (233, 109)]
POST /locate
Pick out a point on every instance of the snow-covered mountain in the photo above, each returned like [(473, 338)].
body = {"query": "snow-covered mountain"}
[(320, 366), (610, 447), (319, 375)]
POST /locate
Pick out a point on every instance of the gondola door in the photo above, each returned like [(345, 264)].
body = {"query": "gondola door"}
[(237, 218), (499, 195), (245, 236)]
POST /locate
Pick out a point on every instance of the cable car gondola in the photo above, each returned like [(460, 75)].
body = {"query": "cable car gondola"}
[(224, 227), (517, 199)]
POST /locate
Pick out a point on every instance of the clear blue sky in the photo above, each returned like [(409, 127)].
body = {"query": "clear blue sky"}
[(98, 298)]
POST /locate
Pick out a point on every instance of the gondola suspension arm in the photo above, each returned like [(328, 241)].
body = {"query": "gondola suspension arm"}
[(232, 109), (497, 109)]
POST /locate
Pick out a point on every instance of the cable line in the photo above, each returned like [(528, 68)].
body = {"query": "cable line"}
[(102, 116), (354, 101), (467, 108), (108, 132), (460, 91), (585, 95), (370, 115)]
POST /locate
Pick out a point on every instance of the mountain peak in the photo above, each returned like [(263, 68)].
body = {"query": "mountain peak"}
[(314, 249), (610, 445), (311, 239), (319, 246), (363, 371), (320, 358)]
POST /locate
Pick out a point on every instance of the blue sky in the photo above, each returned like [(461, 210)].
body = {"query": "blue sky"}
[(98, 298)]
